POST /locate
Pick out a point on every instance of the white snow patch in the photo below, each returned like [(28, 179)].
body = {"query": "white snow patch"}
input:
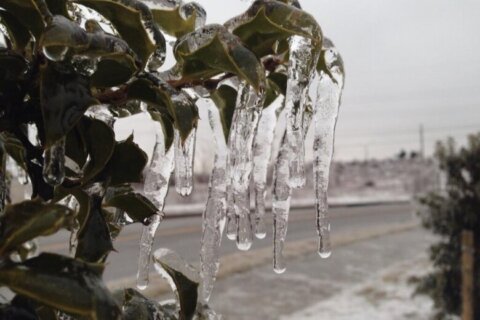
[(388, 295)]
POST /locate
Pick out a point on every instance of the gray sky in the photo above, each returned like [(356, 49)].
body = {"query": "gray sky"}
[(408, 62)]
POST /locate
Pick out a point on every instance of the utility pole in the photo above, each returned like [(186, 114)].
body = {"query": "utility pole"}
[(422, 142)]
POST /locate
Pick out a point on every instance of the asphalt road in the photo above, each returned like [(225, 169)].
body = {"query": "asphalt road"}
[(183, 235)]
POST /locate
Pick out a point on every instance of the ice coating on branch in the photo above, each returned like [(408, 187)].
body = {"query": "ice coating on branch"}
[(155, 189), (240, 161), (166, 257), (301, 67), (184, 157), (326, 113), (215, 210), (54, 163), (262, 149)]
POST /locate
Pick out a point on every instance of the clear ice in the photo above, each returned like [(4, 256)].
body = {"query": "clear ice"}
[(215, 210), (184, 157), (262, 149), (155, 189), (301, 68), (247, 113), (325, 115), (54, 163)]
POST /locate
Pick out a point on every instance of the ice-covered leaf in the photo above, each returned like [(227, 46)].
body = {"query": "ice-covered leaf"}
[(167, 126), (225, 98), (267, 22), (14, 148), (62, 35), (138, 307), (17, 32), (62, 283), (178, 18), (30, 219), (166, 99), (212, 50), (65, 96), (138, 208), (113, 70), (12, 66), (58, 7), (99, 140), (127, 20), (94, 241), (181, 277), (31, 17), (126, 163)]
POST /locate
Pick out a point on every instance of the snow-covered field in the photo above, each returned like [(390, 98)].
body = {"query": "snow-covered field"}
[(388, 295)]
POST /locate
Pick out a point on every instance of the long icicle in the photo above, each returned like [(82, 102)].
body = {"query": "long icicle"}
[(155, 189), (262, 149), (184, 157), (240, 161), (282, 191), (326, 113), (215, 210), (302, 63), (54, 163)]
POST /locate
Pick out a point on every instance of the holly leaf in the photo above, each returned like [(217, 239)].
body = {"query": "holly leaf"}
[(179, 19), (225, 98), (65, 96), (62, 283), (268, 22), (212, 50), (31, 17), (17, 32), (113, 70), (30, 219), (127, 21), (14, 148), (138, 208), (138, 307), (94, 241)]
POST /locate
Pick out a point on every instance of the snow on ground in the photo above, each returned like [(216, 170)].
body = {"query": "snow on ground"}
[(388, 295)]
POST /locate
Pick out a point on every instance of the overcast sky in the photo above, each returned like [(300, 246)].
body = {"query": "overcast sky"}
[(408, 62)]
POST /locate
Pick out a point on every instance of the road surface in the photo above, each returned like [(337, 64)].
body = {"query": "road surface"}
[(183, 235)]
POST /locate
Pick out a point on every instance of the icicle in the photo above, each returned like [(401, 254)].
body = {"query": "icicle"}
[(155, 189), (101, 112), (300, 73), (240, 161), (73, 204), (280, 204), (326, 113), (262, 149), (214, 214), (184, 156), (54, 163)]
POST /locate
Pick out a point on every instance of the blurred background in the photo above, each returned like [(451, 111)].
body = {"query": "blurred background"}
[(412, 79)]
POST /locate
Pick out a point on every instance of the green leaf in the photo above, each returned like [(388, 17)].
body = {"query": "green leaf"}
[(217, 51), (31, 17), (94, 241), (225, 98), (276, 86), (113, 70), (17, 32), (127, 21), (138, 207), (75, 148), (30, 219), (166, 99), (65, 96), (173, 23), (127, 163), (166, 122), (184, 277), (62, 283), (14, 148), (267, 22), (100, 144)]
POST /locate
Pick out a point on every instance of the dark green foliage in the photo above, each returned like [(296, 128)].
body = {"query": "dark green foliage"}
[(447, 213)]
